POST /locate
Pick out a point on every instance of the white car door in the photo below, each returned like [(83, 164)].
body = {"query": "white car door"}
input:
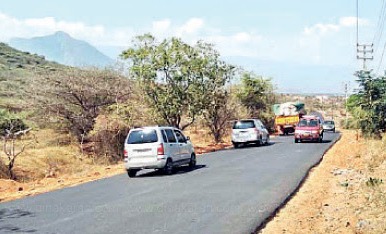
[(264, 130), (183, 145), (174, 151)]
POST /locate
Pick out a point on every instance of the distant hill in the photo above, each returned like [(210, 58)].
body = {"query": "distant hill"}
[(62, 48), (13, 59)]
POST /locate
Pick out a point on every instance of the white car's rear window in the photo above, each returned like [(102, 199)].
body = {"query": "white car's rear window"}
[(142, 136), (244, 124)]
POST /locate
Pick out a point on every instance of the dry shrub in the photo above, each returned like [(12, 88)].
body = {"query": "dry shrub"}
[(3, 170), (106, 141), (108, 144)]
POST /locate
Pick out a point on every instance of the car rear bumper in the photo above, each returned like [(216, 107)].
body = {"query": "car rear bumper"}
[(156, 164), (328, 129), (246, 142)]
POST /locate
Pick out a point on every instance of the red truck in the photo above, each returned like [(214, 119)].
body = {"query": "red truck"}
[(309, 128)]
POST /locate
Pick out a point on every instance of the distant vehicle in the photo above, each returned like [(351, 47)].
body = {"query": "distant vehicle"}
[(309, 128), (248, 131), (157, 148), (287, 116), (329, 125)]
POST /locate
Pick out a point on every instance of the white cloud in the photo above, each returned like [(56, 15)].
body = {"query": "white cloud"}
[(13, 27), (352, 21), (321, 29), (242, 37), (161, 25), (193, 25), (344, 22)]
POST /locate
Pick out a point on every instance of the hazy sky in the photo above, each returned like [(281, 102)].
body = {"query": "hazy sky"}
[(306, 46)]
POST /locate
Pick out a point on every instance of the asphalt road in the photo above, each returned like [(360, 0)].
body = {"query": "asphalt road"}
[(231, 191)]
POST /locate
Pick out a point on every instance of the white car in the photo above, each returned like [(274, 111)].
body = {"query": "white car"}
[(157, 148), (249, 131)]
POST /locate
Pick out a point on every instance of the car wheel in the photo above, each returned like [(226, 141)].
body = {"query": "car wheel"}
[(333, 130), (260, 141), (296, 141), (236, 145), (132, 173), (168, 168), (267, 140), (321, 138), (192, 163)]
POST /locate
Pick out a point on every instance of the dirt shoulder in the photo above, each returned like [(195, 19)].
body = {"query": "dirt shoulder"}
[(346, 193)]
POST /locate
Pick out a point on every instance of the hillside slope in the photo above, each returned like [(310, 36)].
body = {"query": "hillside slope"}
[(64, 49)]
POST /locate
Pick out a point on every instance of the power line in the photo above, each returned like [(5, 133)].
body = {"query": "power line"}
[(357, 23), (364, 51), (380, 62), (380, 26)]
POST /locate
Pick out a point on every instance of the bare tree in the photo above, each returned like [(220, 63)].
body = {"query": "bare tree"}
[(76, 97), (13, 146), (218, 114)]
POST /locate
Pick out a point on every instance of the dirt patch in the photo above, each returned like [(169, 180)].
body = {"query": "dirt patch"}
[(11, 190), (346, 193)]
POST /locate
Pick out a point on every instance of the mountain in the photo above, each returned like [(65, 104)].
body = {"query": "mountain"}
[(62, 48)]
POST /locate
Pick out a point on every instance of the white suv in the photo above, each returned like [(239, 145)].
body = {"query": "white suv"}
[(157, 148), (249, 131)]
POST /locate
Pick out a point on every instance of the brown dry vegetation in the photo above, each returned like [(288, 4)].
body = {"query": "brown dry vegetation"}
[(339, 196), (55, 161)]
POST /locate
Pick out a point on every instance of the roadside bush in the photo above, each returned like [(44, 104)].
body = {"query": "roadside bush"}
[(3, 170), (108, 144)]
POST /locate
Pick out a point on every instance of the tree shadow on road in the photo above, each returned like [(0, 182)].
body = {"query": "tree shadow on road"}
[(10, 214)]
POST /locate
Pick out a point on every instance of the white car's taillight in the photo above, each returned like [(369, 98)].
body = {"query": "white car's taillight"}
[(160, 149)]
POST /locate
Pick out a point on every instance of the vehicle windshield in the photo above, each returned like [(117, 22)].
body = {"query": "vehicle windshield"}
[(142, 136), (328, 122), (308, 123), (244, 124)]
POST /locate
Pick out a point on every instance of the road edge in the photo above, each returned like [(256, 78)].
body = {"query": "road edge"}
[(263, 224)]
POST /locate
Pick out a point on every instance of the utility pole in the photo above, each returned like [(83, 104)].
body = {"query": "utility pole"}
[(346, 97), (365, 52)]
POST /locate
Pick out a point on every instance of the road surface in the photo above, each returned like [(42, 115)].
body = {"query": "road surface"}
[(231, 191)]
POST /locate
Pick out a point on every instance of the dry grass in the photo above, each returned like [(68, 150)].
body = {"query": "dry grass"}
[(339, 196), (203, 141), (55, 162)]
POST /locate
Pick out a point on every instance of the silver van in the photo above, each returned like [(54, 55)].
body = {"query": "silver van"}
[(249, 131), (157, 148)]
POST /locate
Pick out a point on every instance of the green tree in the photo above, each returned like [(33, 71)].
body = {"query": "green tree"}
[(371, 98), (176, 77), (256, 93)]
